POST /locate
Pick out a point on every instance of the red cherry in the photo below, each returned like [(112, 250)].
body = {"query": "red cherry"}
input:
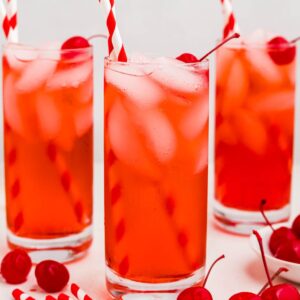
[(245, 296), (16, 266), (73, 43), (289, 251), (195, 293), (279, 236), (281, 292), (51, 276), (281, 51), (199, 292), (296, 227), (187, 58)]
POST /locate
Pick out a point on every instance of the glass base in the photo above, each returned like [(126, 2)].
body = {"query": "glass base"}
[(119, 286), (244, 222), (63, 249)]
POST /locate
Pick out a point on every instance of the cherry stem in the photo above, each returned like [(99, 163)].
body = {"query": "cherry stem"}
[(95, 36), (278, 272), (295, 40), (262, 210), (233, 36), (260, 243), (210, 269)]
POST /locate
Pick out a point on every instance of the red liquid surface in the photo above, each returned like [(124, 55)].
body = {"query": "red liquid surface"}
[(254, 129), (155, 173), (48, 144)]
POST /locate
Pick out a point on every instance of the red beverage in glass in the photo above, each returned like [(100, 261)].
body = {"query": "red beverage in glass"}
[(254, 133), (48, 104), (156, 144)]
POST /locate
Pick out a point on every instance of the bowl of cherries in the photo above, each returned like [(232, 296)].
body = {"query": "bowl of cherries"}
[(282, 246)]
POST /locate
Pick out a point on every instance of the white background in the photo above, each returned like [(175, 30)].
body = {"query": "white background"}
[(165, 27)]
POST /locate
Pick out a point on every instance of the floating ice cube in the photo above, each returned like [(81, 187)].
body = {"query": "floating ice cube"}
[(251, 131), (83, 120), (85, 92), (49, 117), (226, 133), (127, 144), (50, 51), (71, 77), (160, 136), (12, 112), (265, 71), (237, 87), (177, 77), (36, 74), (224, 61), (195, 119), (19, 55), (135, 84), (276, 101)]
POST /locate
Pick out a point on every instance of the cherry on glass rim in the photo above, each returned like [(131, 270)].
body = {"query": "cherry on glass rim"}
[(16, 266), (199, 292), (281, 51), (74, 43), (190, 58), (51, 276)]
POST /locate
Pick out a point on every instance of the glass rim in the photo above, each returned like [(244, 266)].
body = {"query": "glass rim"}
[(109, 61), (44, 49), (256, 45)]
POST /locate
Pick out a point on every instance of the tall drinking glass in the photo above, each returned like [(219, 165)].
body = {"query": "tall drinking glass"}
[(48, 105), (254, 134), (156, 146)]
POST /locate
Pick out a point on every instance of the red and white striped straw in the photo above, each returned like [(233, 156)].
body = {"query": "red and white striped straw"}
[(10, 20), (64, 297), (49, 297), (230, 24), (20, 295), (79, 293), (115, 45)]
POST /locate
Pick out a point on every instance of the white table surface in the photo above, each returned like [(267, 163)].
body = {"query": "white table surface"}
[(240, 271)]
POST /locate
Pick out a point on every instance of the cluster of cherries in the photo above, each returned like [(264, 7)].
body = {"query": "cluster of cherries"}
[(284, 242), (50, 275), (268, 292)]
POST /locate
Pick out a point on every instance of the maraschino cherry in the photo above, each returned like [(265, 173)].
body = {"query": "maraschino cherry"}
[(16, 266), (296, 227), (275, 292), (190, 58), (279, 236), (73, 43), (51, 276), (281, 51), (199, 292)]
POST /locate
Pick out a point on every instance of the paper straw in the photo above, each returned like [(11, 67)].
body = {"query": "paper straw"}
[(230, 23), (115, 45), (10, 20), (20, 295), (79, 293), (64, 297), (49, 297)]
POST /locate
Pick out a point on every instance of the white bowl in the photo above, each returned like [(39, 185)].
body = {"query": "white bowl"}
[(274, 263)]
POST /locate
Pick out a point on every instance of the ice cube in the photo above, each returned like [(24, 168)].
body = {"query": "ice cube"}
[(18, 55), (72, 77), (83, 120), (195, 119), (12, 112), (135, 84), (35, 74), (49, 117), (226, 133), (259, 37), (127, 144), (237, 87), (264, 71), (177, 77), (50, 51), (85, 92), (224, 61), (273, 101), (160, 136), (251, 131)]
